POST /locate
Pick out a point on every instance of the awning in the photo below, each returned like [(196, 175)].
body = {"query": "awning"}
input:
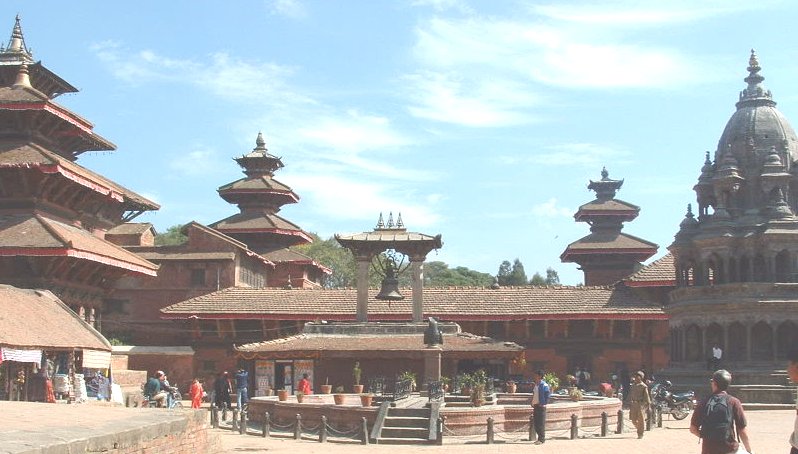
[(20, 355), (96, 359)]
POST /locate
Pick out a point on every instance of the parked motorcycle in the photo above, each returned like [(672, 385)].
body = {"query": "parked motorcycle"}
[(679, 405)]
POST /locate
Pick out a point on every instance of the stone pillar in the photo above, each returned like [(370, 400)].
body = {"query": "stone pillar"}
[(417, 265), (432, 364), (363, 264)]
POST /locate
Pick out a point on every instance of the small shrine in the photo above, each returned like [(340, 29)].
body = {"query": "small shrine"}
[(390, 236)]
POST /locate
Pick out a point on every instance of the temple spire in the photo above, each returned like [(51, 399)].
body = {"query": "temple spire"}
[(755, 93), (23, 78), (16, 45)]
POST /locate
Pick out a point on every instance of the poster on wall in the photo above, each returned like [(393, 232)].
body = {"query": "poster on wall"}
[(304, 366), (264, 376)]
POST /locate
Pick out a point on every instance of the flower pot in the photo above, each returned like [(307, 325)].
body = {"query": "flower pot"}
[(339, 399), (269, 392), (357, 389), (511, 388), (282, 395), (300, 397), (326, 389), (366, 399)]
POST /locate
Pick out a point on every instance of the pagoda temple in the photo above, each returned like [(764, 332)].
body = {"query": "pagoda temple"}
[(54, 212), (735, 262), (607, 255), (259, 198)]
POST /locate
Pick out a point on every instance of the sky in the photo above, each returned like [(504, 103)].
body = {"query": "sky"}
[(480, 121)]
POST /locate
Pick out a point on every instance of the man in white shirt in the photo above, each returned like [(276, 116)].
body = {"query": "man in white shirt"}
[(714, 360)]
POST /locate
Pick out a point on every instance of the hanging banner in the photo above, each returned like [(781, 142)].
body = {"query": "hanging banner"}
[(96, 359), (264, 376), (21, 356)]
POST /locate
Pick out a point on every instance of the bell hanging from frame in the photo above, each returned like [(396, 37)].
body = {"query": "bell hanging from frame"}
[(389, 290)]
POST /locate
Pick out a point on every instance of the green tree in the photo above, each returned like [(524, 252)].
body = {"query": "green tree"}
[(517, 275), (537, 279), (172, 237), (335, 257), (505, 269), (438, 274), (552, 278)]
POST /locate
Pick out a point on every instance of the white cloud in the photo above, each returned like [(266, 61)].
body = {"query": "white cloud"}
[(353, 133), (198, 162), (343, 198), (549, 209), (450, 98), (443, 5), (292, 9), (570, 154)]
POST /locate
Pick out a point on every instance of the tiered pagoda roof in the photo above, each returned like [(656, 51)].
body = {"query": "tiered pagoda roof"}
[(259, 197), (607, 253), (53, 212)]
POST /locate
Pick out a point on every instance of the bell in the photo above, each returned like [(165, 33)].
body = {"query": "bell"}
[(389, 290)]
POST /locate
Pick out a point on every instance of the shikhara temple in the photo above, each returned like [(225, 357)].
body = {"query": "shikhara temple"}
[(237, 293)]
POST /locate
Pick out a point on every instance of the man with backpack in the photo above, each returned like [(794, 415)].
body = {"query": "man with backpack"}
[(719, 419)]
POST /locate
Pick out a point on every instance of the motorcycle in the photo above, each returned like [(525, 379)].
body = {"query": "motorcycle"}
[(679, 405)]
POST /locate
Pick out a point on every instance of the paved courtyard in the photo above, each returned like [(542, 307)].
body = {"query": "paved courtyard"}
[(769, 432)]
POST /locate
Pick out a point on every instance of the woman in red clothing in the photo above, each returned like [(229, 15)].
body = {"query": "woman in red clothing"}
[(304, 385), (196, 393)]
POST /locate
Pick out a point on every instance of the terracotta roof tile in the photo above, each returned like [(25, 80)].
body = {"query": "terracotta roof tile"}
[(130, 228), (454, 304), (461, 342), (288, 255), (49, 237), (659, 272), (24, 154), (157, 256), (58, 327), (254, 221), (609, 205)]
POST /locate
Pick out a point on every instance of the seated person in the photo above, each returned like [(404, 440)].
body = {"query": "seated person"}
[(167, 388), (153, 390)]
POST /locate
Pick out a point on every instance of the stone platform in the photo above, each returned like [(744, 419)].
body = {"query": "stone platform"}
[(28, 428)]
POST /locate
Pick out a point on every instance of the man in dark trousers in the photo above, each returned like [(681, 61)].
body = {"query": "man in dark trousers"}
[(223, 389), (540, 398), (719, 419)]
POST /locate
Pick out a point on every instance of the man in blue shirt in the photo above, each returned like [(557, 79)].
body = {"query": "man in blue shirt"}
[(540, 398), (242, 379)]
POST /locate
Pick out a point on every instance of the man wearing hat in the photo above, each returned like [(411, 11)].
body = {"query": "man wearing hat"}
[(639, 402)]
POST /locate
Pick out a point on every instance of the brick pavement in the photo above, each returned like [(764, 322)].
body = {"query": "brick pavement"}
[(769, 431)]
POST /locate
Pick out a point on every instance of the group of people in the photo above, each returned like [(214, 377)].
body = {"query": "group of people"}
[(224, 386), (718, 420)]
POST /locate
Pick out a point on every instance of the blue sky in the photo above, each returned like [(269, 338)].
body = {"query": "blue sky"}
[(481, 121)]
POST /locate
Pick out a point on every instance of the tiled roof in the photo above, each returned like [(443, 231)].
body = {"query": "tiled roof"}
[(157, 256), (617, 242), (258, 185), (255, 221), (461, 342), (37, 235), (288, 255), (460, 303), (609, 205), (24, 154), (222, 236), (38, 319), (130, 228), (388, 236), (661, 272)]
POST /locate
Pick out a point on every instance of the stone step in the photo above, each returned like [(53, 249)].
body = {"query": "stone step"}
[(409, 412), (406, 421), (404, 441), (404, 432)]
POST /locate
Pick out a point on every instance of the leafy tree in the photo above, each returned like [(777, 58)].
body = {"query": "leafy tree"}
[(335, 257), (438, 274), (552, 278), (172, 237), (517, 275), (504, 273), (537, 279)]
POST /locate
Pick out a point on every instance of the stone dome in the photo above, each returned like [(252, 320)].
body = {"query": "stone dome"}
[(756, 126)]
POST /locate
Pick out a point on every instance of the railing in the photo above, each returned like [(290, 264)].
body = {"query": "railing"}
[(376, 386), (402, 389), (435, 390)]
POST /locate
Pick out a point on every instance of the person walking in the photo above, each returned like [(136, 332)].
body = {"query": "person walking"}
[(540, 398), (639, 402), (196, 393), (716, 418), (304, 385), (223, 390), (792, 371)]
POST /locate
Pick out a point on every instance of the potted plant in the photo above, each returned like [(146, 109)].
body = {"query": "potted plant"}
[(268, 392), (300, 396), (575, 394), (466, 383), (478, 395), (339, 395), (408, 375), (552, 380), (445, 383), (366, 399), (511, 386), (326, 388), (357, 388), (282, 395)]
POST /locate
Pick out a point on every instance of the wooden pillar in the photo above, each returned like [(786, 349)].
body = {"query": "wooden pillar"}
[(363, 288), (417, 266)]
